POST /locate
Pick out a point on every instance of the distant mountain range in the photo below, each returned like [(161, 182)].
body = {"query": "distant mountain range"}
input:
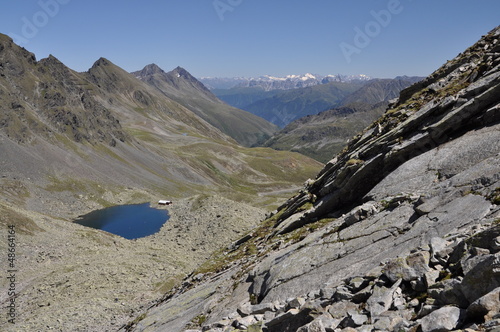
[(268, 82), (322, 135), (287, 106), (284, 106)]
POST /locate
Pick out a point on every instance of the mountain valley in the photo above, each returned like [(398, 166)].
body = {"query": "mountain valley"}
[(396, 229), (322, 135), (75, 142)]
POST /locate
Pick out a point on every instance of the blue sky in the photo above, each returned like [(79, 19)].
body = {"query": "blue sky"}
[(225, 38)]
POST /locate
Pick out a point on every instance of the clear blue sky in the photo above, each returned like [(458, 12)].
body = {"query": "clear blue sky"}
[(228, 38)]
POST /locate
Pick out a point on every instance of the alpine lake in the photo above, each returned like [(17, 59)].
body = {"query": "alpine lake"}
[(129, 221)]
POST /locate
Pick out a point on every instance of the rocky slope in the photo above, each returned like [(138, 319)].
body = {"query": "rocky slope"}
[(397, 232)]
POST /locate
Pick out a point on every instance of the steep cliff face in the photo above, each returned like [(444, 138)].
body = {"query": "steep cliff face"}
[(399, 231)]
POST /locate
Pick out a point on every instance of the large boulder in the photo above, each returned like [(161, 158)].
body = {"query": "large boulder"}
[(441, 320), (482, 278), (486, 306)]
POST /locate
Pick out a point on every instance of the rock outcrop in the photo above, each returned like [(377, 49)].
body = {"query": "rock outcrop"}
[(425, 290), (398, 232)]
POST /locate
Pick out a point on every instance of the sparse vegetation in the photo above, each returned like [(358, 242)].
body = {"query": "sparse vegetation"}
[(396, 201), (352, 162), (300, 233), (22, 223), (494, 197), (199, 320)]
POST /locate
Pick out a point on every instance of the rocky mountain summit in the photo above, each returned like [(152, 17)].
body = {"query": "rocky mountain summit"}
[(398, 232)]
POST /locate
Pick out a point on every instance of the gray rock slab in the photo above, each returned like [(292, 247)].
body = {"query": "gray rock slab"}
[(291, 320), (448, 292), (486, 306), (381, 299), (443, 319), (409, 268), (314, 326), (340, 310), (482, 278), (355, 320)]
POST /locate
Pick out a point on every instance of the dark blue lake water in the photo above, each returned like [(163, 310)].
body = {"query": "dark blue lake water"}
[(128, 221)]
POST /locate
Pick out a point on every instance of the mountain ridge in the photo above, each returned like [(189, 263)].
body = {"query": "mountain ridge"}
[(181, 86)]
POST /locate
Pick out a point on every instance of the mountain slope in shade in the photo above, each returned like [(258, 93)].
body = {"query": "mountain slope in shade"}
[(181, 86), (241, 97), (321, 135)]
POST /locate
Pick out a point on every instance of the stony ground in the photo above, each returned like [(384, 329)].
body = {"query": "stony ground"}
[(73, 278)]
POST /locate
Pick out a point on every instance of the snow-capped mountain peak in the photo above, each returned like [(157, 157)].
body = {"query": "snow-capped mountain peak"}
[(269, 82)]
